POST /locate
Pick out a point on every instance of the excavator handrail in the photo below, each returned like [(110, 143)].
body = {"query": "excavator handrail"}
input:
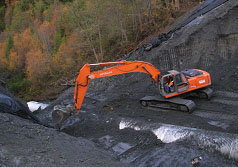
[(121, 67)]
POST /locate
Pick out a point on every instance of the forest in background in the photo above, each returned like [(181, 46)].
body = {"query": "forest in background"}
[(44, 41)]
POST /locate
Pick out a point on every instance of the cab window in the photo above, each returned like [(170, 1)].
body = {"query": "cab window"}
[(178, 79)]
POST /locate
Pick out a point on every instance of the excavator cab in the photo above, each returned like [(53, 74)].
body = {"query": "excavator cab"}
[(173, 83)]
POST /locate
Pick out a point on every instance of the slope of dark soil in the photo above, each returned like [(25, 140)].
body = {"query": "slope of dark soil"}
[(23, 143)]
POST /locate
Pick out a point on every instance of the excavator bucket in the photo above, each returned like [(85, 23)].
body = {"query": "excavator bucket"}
[(61, 114)]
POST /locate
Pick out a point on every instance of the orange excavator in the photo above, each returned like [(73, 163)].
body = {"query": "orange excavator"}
[(185, 83)]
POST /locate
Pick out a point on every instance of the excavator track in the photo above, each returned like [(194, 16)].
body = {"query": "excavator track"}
[(205, 93), (175, 103)]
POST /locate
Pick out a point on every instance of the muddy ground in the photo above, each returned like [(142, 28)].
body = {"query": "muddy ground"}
[(113, 129), (102, 114)]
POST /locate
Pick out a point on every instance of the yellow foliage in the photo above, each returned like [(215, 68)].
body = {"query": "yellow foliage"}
[(3, 59), (68, 56), (36, 65), (11, 2), (46, 24), (45, 13), (23, 43), (45, 34), (15, 61), (54, 21), (65, 9)]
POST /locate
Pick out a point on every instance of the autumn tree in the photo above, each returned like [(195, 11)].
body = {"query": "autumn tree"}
[(3, 59), (23, 43), (59, 37), (45, 35), (20, 21), (9, 46), (70, 57), (58, 23), (36, 65), (85, 16), (2, 14)]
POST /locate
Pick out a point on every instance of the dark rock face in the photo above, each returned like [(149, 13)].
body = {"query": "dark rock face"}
[(10, 104), (16, 106)]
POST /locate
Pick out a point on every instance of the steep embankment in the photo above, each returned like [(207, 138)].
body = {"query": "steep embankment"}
[(25, 144)]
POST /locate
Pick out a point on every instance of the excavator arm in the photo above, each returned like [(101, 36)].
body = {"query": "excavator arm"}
[(121, 67)]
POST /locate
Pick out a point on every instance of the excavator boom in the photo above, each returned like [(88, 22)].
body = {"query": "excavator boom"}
[(121, 67)]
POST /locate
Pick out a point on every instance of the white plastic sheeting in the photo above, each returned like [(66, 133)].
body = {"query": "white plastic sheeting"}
[(34, 105), (224, 143)]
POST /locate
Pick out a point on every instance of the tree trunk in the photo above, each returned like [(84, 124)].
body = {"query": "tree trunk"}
[(176, 4), (100, 43)]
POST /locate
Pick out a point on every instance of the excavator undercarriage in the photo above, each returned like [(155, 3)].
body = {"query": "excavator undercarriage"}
[(176, 103)]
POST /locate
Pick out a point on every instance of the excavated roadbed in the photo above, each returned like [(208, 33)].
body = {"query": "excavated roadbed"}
[(119, 124)]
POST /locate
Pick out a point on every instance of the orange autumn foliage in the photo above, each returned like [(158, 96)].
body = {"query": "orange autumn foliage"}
[(23, 43), (3, 59), (68, 56), (36, 65), (11, 2), (46, 35)]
